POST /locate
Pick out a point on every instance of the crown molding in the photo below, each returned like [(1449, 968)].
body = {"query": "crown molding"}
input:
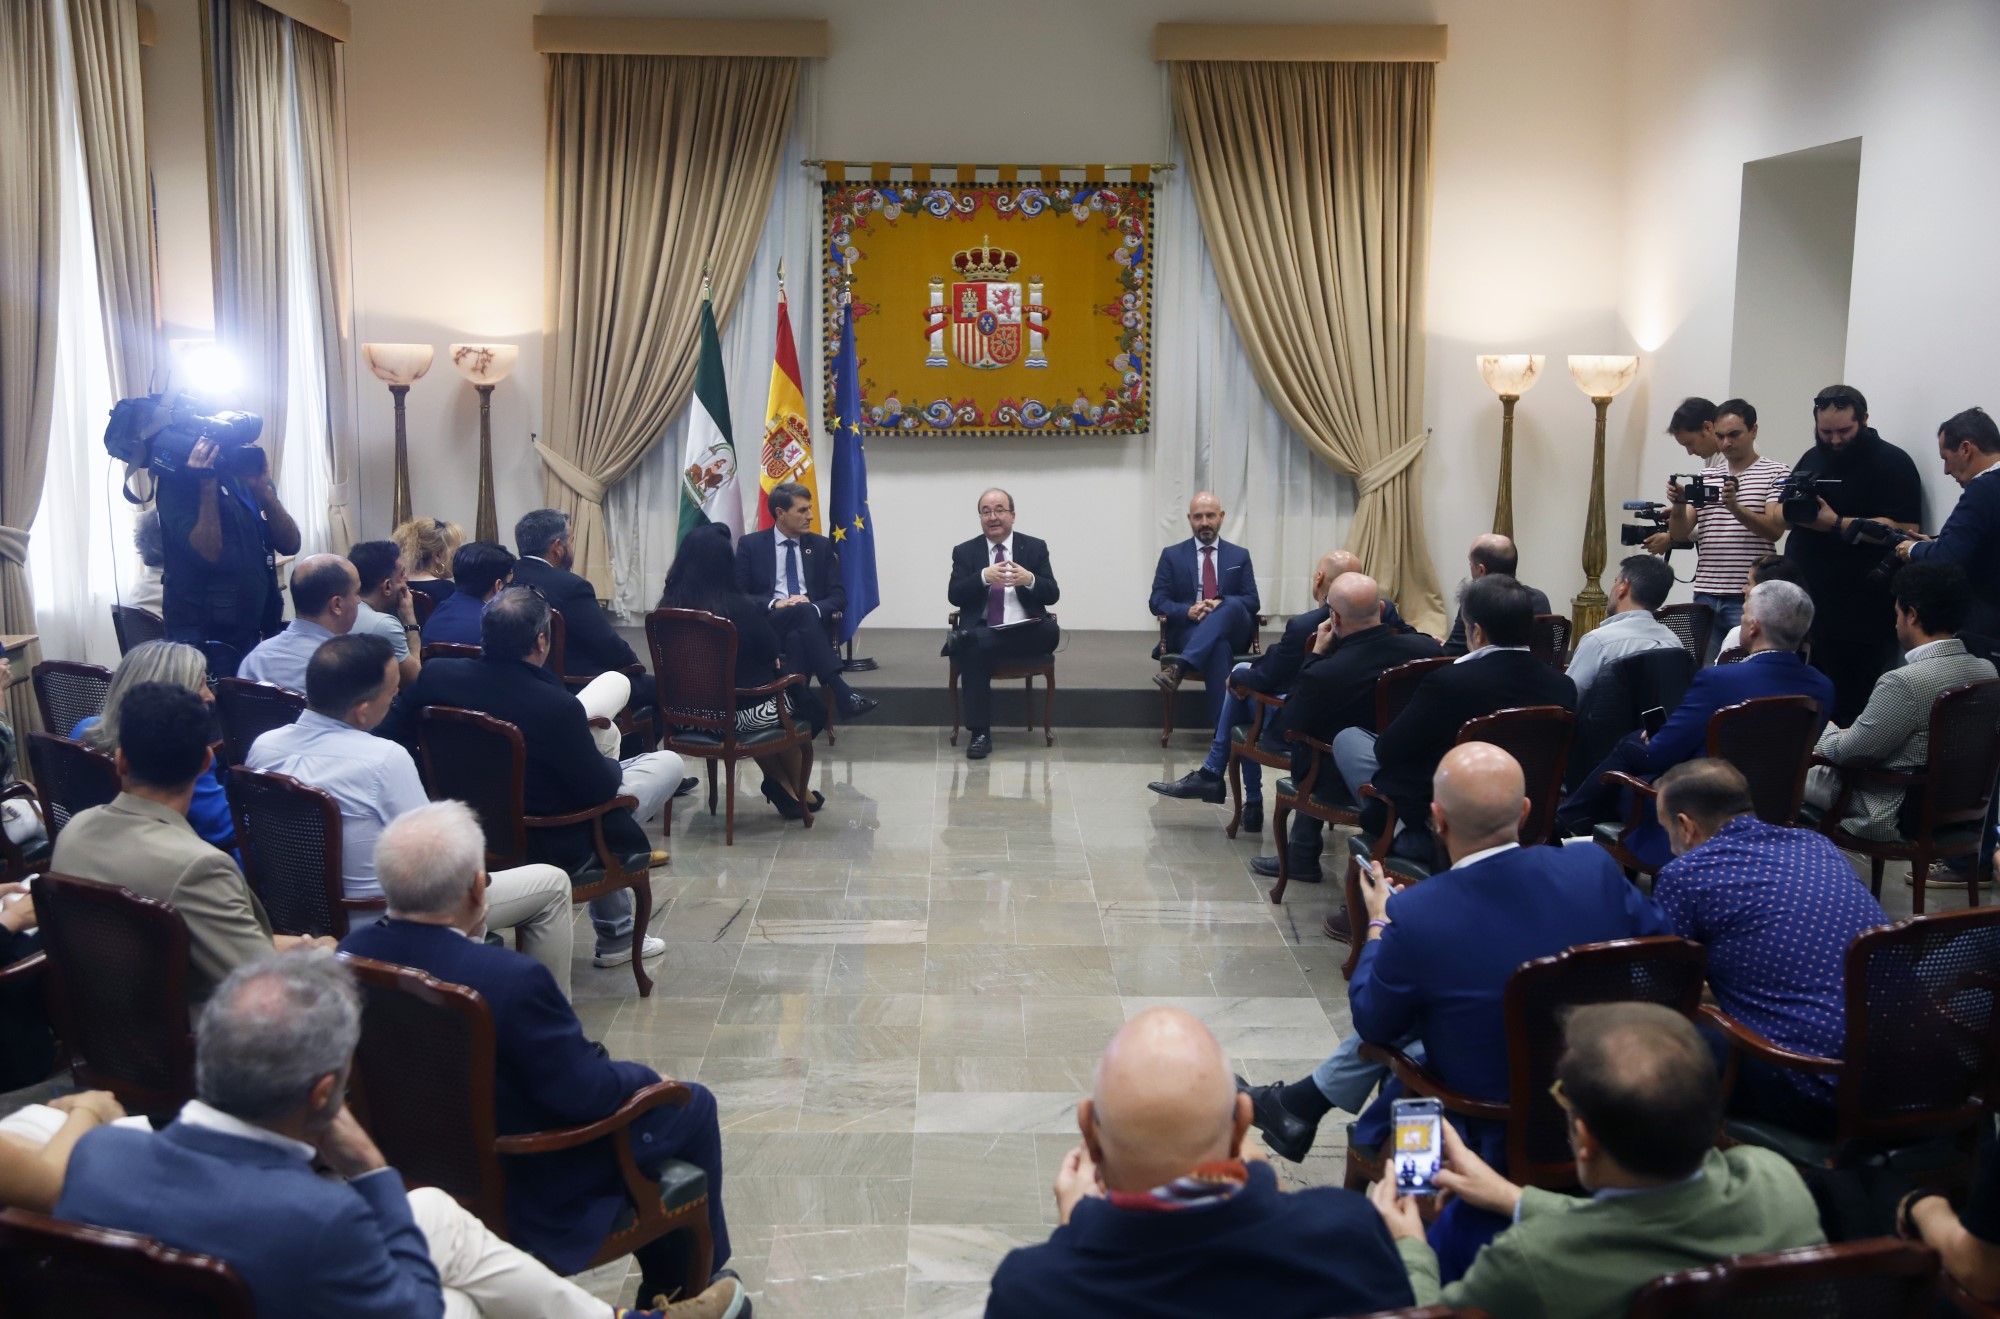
[(802, 38), (1338, 43)]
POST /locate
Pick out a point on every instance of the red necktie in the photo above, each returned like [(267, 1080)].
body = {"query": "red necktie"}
[(996, 595), (1209, 589)]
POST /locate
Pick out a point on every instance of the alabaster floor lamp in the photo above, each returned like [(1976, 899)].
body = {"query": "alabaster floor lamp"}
[(485, 365), (1603, 378), (400, 365), (1509, 375)]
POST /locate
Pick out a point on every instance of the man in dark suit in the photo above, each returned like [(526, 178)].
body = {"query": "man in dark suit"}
[(1162, 1215), (1777, 616), (1498, 673), (480, 569), (590, 644), (1002, 586), (1495, 553), (1969, 448), (1335, 691), (1206, 589), (796, 573), (560, 1206)]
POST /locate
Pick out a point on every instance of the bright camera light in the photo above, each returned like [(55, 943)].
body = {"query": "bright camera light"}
[(206, 370)]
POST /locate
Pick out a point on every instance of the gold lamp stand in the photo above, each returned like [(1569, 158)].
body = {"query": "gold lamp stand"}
[(1509, 375), (1603, 378), (485, 365)]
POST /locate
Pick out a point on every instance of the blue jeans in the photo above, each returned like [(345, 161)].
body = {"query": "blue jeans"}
[(1347, 1079), (1235, 710), (1728, 613)]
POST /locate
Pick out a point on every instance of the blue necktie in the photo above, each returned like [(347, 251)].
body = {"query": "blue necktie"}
[(791, 567)]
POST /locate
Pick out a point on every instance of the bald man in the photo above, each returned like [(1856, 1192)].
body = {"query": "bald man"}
[(1206, 590), (1491, 552), (1438, 955), (326, 599), (1163, 1213)]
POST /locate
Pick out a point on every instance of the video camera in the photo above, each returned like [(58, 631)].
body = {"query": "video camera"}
[(1867, 531), (161, 433), (1798, 498), (1695, 489), (1652, 517)]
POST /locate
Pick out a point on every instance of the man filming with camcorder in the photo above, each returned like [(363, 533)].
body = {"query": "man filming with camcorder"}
[(1969, 447), (1730, 510), (1843, 499)]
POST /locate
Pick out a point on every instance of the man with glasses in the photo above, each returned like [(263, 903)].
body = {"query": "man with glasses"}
[(1002, 586)]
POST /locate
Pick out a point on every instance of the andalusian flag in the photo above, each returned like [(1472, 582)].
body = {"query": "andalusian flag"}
[(708, 473), (788, 451)]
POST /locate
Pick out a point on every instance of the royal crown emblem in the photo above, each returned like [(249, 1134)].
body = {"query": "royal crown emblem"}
[(986, 311)]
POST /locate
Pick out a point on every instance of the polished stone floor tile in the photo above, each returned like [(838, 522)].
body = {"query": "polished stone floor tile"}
[(1056, 969), (845, 1096), (945, 1072), (973, 1025), (1063, 1026), (849, 1270), (755, 1094), (876, 969), (977, 1111), (989, 1180)]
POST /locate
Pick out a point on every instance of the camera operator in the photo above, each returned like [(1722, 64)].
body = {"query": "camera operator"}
[(1738, 519), (1693, 428), (223, 528), (1969, 445), (1853, 631)]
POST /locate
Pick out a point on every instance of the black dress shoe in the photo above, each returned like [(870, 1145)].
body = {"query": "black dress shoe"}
[(688, 784), (1337, 927), (787, 805), (1193, 786), (1169, 677), (1253, 817), (855, 706), (1288, 1135), (980, 747), (1267, 866)]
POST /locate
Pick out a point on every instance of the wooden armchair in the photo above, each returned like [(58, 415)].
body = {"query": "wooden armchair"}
[(425, 1069), (694, 662), (1770, 739), (641, 726), (16, 863), (1922, 1020), (1549, 639), (1692, 623), (70, 778), (422, 605), (68, 692), (1617, 701), (483, 761), (1883, 1278), (1661, 969), (50, 1268), (251, 709), (1162, 654), (1025, 667), (135, 627), (1947, 799), (118, 976), (448, 650), (289, 834)]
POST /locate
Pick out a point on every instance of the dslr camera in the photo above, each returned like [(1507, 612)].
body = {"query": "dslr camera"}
[(1867, 531), (160, 433), (1798, 498), (1695, 489), (1651, 520)]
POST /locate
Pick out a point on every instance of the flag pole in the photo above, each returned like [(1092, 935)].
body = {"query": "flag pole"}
[(850, 664)]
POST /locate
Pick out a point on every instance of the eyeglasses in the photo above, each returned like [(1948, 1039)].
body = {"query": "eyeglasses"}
[(1562, 1100)]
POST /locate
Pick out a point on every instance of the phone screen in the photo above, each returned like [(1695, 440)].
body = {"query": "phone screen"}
[(1653, 720), (1418, 1146)]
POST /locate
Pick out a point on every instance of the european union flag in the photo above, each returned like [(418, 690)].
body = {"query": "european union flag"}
[(851, 526)]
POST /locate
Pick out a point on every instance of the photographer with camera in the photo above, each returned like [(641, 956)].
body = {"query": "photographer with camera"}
[(223, 527), (1845, 500), (1693, 428), (1730, 510), (1969, 446)]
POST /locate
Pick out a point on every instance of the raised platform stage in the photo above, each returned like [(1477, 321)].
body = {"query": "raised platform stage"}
[(1103, 680)]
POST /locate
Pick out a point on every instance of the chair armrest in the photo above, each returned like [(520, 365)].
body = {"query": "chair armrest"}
[(639, 1102), (1420, 1080), (1757, 1046), (1369, 792), (772, 688), (951, 619), (584, 816), (24, 791), (28, 968), (1619, 778)]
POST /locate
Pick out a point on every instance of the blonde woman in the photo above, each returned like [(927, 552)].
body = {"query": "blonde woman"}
[(427, 545), (183, 666)]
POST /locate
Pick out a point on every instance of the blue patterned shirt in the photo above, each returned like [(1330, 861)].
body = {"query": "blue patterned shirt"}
[(1777, 909)]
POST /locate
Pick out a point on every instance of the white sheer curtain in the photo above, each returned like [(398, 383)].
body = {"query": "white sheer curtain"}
[(81, 550), (1213, 428), (641, 509), (304, 483)]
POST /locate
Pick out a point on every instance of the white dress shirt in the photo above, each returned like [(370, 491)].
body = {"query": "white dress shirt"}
[(1011, 609), (372, 779)]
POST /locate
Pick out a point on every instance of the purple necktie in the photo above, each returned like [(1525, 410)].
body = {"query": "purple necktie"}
[(996, 596)]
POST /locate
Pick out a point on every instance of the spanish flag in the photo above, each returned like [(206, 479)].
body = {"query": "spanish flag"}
[(788, 454)]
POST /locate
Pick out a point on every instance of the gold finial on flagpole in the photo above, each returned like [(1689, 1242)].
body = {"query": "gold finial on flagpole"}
[(707, 290), (781, 279)]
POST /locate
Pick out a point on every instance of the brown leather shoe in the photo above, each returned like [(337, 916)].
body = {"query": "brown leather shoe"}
[(1337, 927)]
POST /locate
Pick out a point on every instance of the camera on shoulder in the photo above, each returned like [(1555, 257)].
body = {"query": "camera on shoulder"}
[(160, 433), (1798, 498)]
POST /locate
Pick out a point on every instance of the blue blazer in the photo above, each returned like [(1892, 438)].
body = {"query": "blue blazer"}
[(458, 619), (1320, 1251), (560, 1206), (1769, 673), (1439, 969), (1177, 582), (305, 1245)]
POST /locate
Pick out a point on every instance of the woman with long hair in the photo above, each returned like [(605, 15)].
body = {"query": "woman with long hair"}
[(183, 666), (703, 576), (427, 545)]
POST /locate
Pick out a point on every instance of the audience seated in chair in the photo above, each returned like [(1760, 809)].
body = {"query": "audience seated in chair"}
[(1966, 1239), (349, 687), (143, 841), (1164, 1212), (326, 601), (385, 609), (1490, 553), (1644, 1100), (567, 768), (232, 1176), (481, 569), (1498, 673), (27, 1045), (1437, 957), (591, 644), (1629, 628), (559, 1206), (1776, 909), (703, 576), (1335, 691), (1206, 590), (183, 666), (429, 546), (36, 1143), (1767, 568), (1893, 730), (1776, 618), (1002, 584), (795, 572)]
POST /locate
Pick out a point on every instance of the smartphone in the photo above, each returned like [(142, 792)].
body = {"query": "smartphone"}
[(1418, 1150), (1653, 720), (1362, 849)]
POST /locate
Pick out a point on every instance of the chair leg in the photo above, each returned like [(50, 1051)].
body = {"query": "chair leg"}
[(1028, 703), (1235, 795), (1920, 870), (1281, 818), (642, 916), (1875, 876), (951, 684), (1166, 715), (803, 793), (1048, 709), (711, 785), (831, 740), (729, 820)]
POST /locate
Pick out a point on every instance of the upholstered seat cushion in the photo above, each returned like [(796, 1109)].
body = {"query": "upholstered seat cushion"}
[(689, 739)]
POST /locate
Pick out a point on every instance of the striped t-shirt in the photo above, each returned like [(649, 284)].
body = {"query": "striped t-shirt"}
[(1724, 547)]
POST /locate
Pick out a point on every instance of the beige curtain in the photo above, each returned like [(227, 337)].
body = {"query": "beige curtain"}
[(105, 35), (657, 166), (323, 165), (1313, 182), (30, 215)]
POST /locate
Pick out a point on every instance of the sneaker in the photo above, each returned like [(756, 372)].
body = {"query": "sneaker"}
[(724, 1299), (622, 954)]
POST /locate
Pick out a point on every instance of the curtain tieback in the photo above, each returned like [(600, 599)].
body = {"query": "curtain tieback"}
[(14, 545), (586, 486), (1390, 466)]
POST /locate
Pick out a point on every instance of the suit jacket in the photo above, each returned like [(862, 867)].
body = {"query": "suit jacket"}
[(1892, 732), (590, 644), (1970, 538), (156, 853), (547, 1074), (1410, 748), (1767, 673), (1177, 583), (1456, 644), (967, 592), (758, 570), (1440, 967), (1300, 1255), (1585, 1258), (1277, 667), (305, 1245), (457, 619), (1338, 691)]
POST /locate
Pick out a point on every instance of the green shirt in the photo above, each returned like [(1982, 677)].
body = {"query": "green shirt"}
[(1577, 1258)]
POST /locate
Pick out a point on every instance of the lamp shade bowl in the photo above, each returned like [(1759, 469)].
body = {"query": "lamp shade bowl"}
[(1510, 373), (485, 363), (398, 363), (1603, 375)]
